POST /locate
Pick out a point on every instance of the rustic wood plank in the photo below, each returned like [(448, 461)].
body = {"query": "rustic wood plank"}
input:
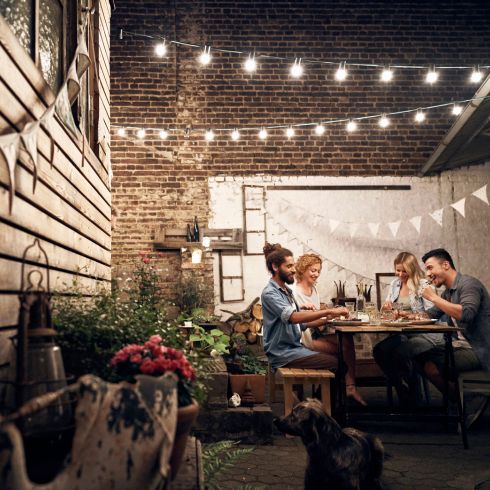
[(45, 199), (28, 217), (60, 281), (9, 309), (13, 243)]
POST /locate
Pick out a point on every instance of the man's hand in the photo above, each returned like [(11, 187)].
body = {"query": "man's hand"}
[(429, 293), (308, 306), (341, 311)]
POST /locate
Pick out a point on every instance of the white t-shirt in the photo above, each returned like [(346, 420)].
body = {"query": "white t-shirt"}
[(302, 298)]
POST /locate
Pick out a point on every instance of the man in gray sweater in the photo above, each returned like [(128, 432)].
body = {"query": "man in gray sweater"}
[(466, 303)]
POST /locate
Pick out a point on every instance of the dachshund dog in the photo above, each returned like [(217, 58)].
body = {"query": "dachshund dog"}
[(338, 459)]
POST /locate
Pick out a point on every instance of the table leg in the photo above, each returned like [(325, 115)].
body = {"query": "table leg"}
[(453, 376), (340, 379), (325, 387), (288, 396)]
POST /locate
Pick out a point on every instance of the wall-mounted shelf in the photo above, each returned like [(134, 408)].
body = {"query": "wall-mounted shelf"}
[(221, 239)]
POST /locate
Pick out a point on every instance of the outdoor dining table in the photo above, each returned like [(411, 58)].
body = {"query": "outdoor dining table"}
[(389, 328)]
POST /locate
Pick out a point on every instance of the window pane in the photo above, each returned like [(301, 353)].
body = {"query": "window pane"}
[(51, 41), (19, 15)]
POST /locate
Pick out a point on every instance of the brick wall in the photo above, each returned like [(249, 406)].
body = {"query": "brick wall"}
[(160, 183)]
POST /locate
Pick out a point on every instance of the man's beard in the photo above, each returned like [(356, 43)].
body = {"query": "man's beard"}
[(285, 277)]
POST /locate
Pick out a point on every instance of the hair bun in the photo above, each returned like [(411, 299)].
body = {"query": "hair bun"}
[(271, 247)]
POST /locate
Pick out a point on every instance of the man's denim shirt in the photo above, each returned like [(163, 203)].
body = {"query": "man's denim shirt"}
[(472, 295), (282, 339)]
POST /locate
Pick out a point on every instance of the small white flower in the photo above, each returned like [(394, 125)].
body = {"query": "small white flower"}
[(214, 353)]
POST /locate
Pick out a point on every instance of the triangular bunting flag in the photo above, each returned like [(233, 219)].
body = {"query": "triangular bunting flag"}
[(353, 228), (481, 193), (416, 221), (437, 216), (459, 206), (374, 228), (394, 227), (9, 148), (72, 82), (333, 224), (29, 139), (82, 52), (63, 109), (48, 124)]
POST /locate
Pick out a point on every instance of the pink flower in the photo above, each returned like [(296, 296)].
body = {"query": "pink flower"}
[(136, 358), (147, 366), (146, 260), (155, 339)]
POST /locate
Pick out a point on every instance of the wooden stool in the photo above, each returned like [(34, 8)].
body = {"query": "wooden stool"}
[(293, 376)]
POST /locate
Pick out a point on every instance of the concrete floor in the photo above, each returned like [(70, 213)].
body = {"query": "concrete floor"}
[(421, 456)]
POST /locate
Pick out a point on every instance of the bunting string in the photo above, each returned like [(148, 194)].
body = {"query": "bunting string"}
[(11, 143), (374, 227)]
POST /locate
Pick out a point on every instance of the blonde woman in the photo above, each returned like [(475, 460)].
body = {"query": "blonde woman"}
[(308, 269), (397, 353)]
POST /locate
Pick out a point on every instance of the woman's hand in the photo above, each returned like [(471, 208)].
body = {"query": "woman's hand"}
[(387, 306), (340, 311)]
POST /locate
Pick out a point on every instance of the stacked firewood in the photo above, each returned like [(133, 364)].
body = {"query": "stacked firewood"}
[(247, 322)]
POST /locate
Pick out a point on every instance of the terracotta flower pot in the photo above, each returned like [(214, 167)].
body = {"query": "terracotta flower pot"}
[(186, 416)]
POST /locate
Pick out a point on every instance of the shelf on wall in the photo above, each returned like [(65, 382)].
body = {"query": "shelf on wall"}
[(221, 239)]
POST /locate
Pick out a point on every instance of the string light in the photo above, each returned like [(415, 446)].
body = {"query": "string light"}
[(383, 122), (290, 132), (456, 110), (296, 69), (163, 134), (250, 64), (476, 75), (205, 56), (161, 49), (387, 75), (263, 134), (432, 76), (341, 73), (311, 60), (351, 126), (319, 129), (419, 116), (209, 135)]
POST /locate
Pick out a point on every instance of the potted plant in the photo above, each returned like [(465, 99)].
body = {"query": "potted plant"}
[(245, 369), (155, 359)]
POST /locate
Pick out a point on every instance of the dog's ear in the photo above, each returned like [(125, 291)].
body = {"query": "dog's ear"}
[(314, 426)]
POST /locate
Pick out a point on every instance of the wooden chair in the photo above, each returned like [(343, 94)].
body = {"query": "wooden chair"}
[(292, 376), (475, 382)]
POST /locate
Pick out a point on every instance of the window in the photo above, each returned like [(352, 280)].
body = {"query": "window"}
[(47, 30)]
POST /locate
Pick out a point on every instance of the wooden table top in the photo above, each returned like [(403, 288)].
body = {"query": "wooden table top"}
[(379, 328)]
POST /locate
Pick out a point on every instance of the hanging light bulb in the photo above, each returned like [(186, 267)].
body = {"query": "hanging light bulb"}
[(476, 75), (341, 73), (290, 132), (161, 49), (235, 135), (419, 116), (263, 134), (140, 133), (121, 132), (250, 64), (209, 135), (205, 56), (387, 75), (319, 129), (383, 122), (432, 76), (351, 126), (163, 134), (456, 110), (296, 69)]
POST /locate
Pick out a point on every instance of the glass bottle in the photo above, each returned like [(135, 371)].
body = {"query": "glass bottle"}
[(360, 302), (190, 236), (196, 230)]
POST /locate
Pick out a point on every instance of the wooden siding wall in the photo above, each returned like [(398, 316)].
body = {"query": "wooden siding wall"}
[(70, 211)]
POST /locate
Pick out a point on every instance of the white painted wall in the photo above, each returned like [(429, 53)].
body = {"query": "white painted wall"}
[(297, 228)]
